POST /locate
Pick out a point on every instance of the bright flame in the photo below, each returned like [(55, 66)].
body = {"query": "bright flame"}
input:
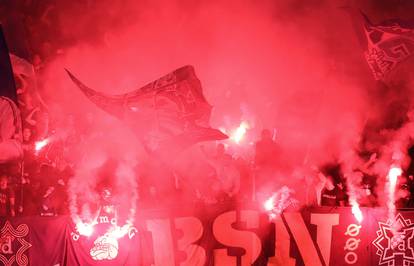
[(269, 204), (393, 175), (240, 132), (84, 229), (41, 144), (118, 231), (278, 202), (356, 211)]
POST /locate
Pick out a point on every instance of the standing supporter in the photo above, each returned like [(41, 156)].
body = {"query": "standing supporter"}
[(7, 197), (10, 131), (32, 197), (226, 181), (312, 185), (332, 193), (246, 183), (266, 158), (266, 151), (368, 198), (29, 156), (54, 198)]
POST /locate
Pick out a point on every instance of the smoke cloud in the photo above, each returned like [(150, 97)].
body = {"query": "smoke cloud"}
[(294, 67)]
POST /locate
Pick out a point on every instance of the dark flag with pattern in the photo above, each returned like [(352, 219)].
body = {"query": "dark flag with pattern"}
[(170, 113), (10, 120), (388, 44), (7, 85)]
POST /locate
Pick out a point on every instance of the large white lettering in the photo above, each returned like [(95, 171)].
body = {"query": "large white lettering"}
[(324, 223), (227, 235), (302, 238), (282, 245), (193, 230), (162, 242)]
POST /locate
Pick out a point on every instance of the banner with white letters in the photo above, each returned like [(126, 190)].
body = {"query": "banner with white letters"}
[(222, 235)]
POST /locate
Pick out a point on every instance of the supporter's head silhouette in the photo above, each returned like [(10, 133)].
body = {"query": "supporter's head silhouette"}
[(3, 181), (329, 183), (27, 134), (220, 149), (266, 134)]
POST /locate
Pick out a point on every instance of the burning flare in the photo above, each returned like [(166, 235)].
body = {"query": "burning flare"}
[(269, 204), (85, 229), (278, 202), (240, 132), (393, 175), (356, 211), (39, 145), (119, 231)]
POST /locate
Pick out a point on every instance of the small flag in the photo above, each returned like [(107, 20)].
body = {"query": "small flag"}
[(388, 44)]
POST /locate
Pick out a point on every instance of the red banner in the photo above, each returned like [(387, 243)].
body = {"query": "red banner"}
[(215, 235)]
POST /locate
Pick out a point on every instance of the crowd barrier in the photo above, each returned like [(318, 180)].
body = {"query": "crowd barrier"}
[(223, 234)]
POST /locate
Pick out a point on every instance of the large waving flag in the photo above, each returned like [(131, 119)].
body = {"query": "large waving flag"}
[(388, 44), (21, 66), (34, 117), (10, 120), (7, 86), (169, 113)]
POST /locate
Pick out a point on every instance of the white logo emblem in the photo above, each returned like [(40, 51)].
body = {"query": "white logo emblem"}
[(105, 248), (395, 248)]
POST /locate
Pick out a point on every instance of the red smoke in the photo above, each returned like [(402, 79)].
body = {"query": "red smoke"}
[(293, 67)]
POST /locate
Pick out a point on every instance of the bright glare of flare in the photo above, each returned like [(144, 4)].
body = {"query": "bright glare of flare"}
[(356, 211), (393, 175), (118, 231), (84, 229), (279, 201), (269, 204), (41, 144), (240, 132)]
